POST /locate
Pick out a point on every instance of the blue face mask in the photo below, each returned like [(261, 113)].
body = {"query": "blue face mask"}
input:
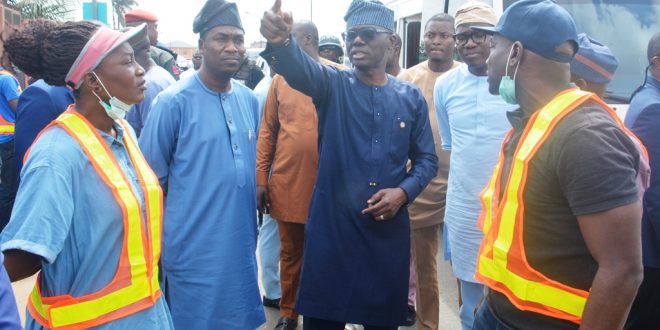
[(507, 87)]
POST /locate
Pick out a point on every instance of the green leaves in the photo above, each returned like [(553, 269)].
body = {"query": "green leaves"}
[(120, 7), (57, 10)]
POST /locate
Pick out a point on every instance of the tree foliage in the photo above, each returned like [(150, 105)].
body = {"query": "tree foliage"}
[(120, 7), (58, 10)]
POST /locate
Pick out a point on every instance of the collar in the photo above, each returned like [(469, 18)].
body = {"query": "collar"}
[(210, 91), (517, 119), (109, 139)]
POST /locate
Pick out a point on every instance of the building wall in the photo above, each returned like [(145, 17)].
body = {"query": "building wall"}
[(10, 19)]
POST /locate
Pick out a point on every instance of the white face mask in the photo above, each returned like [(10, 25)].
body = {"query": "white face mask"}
[(117, 108)]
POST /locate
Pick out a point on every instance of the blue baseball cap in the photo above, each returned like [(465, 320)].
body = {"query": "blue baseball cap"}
[(594, 62), (540, 25)]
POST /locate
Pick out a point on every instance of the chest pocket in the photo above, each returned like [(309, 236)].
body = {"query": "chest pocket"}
[(401, 127)]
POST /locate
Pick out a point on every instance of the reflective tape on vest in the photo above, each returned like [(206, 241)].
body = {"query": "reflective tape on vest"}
[(6, 126), (502, 264), (135, 284)]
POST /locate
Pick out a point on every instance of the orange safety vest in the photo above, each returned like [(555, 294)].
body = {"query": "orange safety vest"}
[(135, 284), (7, 127), (502, 264)]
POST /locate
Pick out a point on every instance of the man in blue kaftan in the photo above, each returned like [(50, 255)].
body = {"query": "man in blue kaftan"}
[(200, 139), (357, 238)]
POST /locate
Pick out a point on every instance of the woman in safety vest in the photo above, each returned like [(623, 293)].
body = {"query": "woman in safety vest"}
[(88, 210)]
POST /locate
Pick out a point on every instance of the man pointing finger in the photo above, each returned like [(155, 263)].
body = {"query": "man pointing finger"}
[(357, 238)]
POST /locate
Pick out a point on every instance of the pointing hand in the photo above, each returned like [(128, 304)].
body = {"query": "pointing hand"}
[(276, 25)]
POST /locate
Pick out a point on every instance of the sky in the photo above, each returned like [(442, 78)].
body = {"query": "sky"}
[(176, 17)]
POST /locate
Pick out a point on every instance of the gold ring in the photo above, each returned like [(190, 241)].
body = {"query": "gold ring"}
[(382, 217)]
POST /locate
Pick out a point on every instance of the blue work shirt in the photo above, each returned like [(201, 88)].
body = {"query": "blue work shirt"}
[(202, 146), (356, 268), (38, 105), (473, 124), (643, 118), (9, 91), (66, 214)]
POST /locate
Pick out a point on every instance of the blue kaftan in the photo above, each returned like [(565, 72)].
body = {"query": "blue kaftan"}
[(355, 269), (202, 146)]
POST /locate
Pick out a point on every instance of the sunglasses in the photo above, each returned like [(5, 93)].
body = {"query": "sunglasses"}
[(366, 34), (477, 36)]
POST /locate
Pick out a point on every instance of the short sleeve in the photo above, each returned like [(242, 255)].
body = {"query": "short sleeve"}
[(597, 166), (33, 112), (42, 213), (9, 87)]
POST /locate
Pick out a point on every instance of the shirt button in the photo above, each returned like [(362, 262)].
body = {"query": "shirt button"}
[(224, 97), (376, 140), (235, 146), (229, 120)]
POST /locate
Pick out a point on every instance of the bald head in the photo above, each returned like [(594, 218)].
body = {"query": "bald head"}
[(654, 47), (307, 37), (392, 67), (653, 54), (306, 29)]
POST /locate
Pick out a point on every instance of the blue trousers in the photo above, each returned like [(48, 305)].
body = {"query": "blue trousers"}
[(471, 294), (269, 257)]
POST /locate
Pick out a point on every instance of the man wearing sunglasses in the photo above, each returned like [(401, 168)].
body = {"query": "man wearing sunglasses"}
[(357, 238), (472, 126)]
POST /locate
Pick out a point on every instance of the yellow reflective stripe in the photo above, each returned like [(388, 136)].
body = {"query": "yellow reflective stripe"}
[(496, 268), (153, 198), (533, 291), (38, 306), (7, 129), (487, 197), (534, 136), (138, 289), (93, 309)]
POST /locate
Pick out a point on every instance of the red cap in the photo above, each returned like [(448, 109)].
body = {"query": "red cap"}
[(140, 15)]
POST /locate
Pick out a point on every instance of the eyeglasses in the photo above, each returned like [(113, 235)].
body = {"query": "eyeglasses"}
[(477, 36), (366, 34)]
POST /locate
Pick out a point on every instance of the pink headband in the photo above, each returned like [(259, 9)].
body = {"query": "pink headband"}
[(102, 43)]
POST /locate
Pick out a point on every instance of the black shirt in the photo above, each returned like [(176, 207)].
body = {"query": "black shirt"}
[(587, 165)]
